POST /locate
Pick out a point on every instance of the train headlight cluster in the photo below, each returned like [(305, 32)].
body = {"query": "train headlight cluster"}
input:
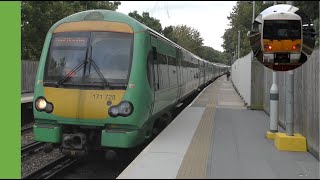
[(43, 105), (125, 108)]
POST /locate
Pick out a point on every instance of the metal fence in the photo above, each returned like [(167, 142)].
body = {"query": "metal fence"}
[(28, 75), (306, 96)]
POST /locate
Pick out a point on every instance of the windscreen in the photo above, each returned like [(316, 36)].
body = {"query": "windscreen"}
[(89, 57), (282, 29)]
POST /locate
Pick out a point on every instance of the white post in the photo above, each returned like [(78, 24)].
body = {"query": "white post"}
[(274, 100)]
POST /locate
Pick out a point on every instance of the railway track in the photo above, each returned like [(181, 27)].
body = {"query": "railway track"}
[(31, 148), (53, 168), (26, 129)]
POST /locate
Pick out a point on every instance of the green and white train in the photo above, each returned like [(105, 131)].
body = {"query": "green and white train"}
[(104, 81)]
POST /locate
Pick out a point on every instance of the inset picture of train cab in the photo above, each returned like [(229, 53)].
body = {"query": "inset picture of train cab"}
[(281, 38), (278, 37)]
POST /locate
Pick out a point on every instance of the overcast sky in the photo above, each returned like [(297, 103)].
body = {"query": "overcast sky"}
[(208, 17)]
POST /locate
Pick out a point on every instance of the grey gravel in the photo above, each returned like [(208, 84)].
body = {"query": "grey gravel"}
[(27, 124), (27, 138), (35, 161)]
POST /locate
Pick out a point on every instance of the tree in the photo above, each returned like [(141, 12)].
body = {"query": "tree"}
[(210, 54), (38, 16), (187, 37), (240, 20), (311, 9), (147, 20), (190, 39), (168, 32)]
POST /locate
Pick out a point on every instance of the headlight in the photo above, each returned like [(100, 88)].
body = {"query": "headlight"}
[(113, 111), (125, 108), (43, 105)]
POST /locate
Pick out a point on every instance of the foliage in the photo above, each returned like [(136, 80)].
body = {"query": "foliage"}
[(311, 9), (147, 20), (187, 37), (190, 39), (212, 55), (168, 32), (38, 16), (240, 20)]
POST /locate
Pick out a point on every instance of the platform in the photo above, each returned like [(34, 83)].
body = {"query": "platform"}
[(217, 137), (26, 98)]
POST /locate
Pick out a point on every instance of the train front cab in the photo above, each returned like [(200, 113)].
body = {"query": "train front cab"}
[(281, 38), (109, 109)]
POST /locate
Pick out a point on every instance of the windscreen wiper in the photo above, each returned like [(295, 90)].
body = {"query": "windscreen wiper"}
[(106, 83), (75, 69)]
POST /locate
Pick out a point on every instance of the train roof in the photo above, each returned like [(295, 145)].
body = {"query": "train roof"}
[(282, 16), (277, 8), (101, 15)]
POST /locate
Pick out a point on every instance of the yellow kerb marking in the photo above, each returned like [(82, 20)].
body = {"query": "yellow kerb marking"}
[(94, 26)]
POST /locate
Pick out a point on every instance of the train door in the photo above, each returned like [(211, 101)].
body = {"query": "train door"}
[(155, 68), (199, 73), (205, 72), (179, 71)]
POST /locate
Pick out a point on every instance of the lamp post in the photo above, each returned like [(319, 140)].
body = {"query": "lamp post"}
[(238, 44), (253, 9)]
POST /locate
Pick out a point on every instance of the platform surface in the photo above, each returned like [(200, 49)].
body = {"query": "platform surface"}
[(240, 150), (217, 137), (26, 97)]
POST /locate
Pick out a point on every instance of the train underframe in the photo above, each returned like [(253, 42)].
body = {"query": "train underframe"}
[(79, 141)]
